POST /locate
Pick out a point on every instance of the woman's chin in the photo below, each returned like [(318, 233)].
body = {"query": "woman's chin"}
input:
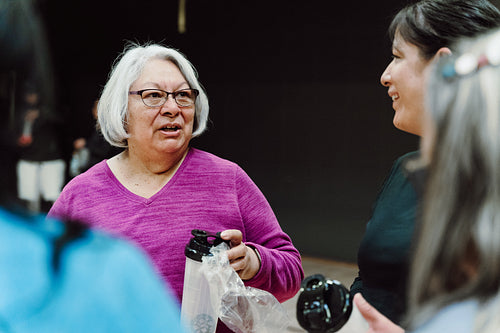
[(172, 148), (401, 125)]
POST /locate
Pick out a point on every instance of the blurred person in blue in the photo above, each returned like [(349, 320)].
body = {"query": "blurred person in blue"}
[(455, 270), (62, 277)]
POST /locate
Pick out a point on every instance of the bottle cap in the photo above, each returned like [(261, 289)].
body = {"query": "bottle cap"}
[(323, 305), (201, 243)]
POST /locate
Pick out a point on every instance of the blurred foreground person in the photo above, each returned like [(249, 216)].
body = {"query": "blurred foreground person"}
[(455, 271), (421, 33), (61, 277)]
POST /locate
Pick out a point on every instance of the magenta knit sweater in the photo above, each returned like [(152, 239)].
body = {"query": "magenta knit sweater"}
[(207, 193)]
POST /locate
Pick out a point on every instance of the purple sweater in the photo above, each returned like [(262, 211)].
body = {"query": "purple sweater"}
[(207, 193)]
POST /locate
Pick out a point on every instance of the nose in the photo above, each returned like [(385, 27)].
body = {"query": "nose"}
[(170, 107), (385, 78)]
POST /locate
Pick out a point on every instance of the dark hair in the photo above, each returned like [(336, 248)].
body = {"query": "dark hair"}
[(432, 24), (73, 230)]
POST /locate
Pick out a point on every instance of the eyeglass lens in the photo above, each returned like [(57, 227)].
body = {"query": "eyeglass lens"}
[(153, 97)]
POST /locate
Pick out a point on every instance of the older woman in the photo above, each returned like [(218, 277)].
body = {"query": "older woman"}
[(159, 188), (421, 33)]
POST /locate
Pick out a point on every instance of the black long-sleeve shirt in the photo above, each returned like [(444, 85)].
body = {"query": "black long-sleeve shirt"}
[(384, 252)]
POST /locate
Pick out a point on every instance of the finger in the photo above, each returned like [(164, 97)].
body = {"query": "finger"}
[(234, 235), (237, 264), (376, 321), (236, 252), (367, 311)]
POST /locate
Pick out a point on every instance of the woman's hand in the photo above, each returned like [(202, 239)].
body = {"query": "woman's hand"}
[(243, 259), (377, 322)]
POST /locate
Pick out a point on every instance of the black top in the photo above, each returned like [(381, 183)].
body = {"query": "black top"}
[(45, 142), (99, 149), (384, 251)]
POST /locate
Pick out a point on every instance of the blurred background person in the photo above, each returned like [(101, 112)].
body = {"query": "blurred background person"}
[(41, 167), (30, 131), (420, 33), (59, 277), (160, 188), (455, 270), (89, 151), (20, 29)]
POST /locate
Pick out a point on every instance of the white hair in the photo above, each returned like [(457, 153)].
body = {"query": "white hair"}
[(460, 231), (113, 104)]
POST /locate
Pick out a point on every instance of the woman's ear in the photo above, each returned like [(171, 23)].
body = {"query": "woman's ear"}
[(444, 51)]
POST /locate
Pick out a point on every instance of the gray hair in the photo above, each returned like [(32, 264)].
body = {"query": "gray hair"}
[(457, 255), (113, 104)]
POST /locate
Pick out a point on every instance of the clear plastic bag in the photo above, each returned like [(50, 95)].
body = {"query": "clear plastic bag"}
[(243, 309)]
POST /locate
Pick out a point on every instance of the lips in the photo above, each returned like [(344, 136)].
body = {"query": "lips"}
[(394, 96), (171, 128)]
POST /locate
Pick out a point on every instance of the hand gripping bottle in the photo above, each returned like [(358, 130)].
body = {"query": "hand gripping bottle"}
[(325, 306), (197, 312)]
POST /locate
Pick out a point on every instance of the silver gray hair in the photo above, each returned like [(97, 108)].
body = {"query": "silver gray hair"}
[(113, 104), (457, 255)]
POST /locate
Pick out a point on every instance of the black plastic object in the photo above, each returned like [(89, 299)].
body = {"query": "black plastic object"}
[(201, 243), (323, 305)]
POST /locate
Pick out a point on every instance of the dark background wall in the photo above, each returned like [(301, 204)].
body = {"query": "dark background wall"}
[(294, 92)]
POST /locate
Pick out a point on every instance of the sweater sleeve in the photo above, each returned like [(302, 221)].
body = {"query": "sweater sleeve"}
[(281, 270), (74, 201), (61, 207)]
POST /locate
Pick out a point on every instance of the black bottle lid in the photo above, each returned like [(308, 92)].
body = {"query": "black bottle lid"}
[(323, 305), (201, 243)]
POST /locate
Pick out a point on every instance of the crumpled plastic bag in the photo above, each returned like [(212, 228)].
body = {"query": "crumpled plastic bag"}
[(243, 309)]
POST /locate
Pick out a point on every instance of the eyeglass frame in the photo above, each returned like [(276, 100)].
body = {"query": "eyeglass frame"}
[(139, 92)]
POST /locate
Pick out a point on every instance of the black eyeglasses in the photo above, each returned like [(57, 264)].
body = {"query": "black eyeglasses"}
[(157, 97)]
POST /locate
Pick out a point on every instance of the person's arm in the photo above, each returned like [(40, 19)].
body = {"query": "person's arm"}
[(377, 322), (280, 271)]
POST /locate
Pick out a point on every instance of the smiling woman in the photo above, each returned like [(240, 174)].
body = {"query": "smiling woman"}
[(159, 188), (405, 79)]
